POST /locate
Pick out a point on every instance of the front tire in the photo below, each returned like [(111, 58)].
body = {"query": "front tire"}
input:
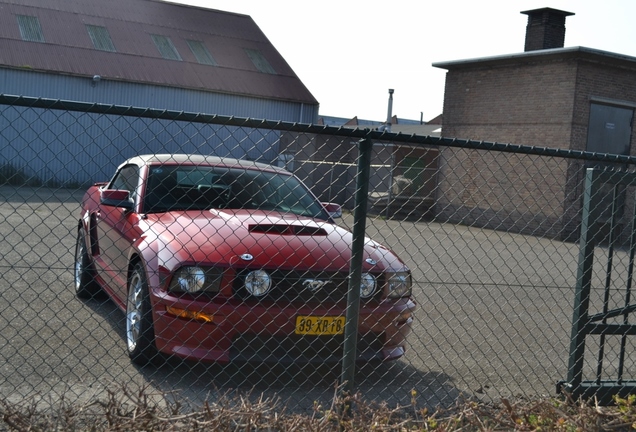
[(140, 335), (84, 274)]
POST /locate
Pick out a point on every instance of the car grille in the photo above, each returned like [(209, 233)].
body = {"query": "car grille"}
[(302, 349), (303, 286)]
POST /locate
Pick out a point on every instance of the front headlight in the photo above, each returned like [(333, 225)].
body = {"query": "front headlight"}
[(196, 279), (367, 285), (399, 284), (258, 282)]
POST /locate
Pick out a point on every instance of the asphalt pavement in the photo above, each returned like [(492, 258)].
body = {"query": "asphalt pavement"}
[(493, 319)]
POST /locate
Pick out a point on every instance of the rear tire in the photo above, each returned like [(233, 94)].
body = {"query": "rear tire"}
[(84, 274), (140, 334)]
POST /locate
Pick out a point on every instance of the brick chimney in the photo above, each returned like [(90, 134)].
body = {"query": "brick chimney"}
[(546, 28)]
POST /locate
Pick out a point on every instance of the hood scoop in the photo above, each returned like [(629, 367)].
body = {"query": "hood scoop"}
[(285, 229)]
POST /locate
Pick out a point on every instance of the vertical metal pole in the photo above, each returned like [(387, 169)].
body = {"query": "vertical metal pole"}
[(608, 279), (628, 294), (390, 194), (333, 168), (355, 271), (588, 240), (389, 114)]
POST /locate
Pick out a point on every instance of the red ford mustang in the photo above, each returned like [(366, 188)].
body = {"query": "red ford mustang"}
[(224, 260)]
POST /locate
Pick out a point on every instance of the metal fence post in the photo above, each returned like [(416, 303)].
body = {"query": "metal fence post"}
[(355, 272)]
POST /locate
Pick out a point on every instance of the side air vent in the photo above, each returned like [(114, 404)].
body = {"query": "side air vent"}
[(282, 229)]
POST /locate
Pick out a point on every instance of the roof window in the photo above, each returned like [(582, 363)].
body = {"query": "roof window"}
[(201, 52), (30, 29), (165, 47), (100, 37), (260, 61)]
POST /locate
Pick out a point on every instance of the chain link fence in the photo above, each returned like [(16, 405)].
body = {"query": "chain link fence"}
[(489, 232)]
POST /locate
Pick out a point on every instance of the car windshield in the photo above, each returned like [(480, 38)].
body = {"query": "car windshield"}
[(200, 187)]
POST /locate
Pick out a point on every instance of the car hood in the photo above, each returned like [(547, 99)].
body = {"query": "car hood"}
[(264, 239)]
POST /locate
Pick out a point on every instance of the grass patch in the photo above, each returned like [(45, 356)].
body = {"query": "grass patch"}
[(15, 177), (12, 176)]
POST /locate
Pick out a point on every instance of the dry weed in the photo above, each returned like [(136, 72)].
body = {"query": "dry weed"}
[(141, 410)]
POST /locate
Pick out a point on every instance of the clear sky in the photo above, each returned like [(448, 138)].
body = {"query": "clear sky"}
[(350, 52)]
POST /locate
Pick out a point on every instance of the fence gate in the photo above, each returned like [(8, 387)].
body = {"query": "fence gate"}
[(603, 296)]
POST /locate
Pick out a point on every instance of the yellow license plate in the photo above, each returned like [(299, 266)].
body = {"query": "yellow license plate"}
[(319, 325)]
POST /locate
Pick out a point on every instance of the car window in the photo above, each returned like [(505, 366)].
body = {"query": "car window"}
[(200, 188), (126, 179)]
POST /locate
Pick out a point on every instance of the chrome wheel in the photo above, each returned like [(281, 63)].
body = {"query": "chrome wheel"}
[(83, 277), (134, 312), (80, 250), (140, 335)]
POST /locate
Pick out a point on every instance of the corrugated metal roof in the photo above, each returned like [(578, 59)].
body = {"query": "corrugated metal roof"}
[(68, 48)]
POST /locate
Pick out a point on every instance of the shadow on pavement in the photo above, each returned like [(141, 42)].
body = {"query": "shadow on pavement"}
[(299, 388)]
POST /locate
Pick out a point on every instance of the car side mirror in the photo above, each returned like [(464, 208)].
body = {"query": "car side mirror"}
[(116, 198), (334, 210)]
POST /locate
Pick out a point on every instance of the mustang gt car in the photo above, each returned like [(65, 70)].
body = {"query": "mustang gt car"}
[(221, 260)]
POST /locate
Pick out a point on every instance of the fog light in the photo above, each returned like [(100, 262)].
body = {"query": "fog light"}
[(367, 285), (258, 283)]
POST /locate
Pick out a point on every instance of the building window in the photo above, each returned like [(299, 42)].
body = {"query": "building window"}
[(30, 29), (259, 61), (201, 52), (165, 47), (100, 37)]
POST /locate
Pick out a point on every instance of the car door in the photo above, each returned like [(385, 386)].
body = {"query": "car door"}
[(117, 229)]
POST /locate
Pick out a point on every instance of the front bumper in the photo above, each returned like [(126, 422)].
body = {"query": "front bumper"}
[(265, 333)]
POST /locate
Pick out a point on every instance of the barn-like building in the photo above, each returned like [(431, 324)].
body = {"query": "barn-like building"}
[(141, 53)]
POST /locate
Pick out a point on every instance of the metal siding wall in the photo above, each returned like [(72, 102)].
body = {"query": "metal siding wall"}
[(60, 147), (69, 148), (36, 84)]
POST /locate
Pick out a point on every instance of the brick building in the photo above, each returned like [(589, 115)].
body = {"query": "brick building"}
[(571, 98)]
